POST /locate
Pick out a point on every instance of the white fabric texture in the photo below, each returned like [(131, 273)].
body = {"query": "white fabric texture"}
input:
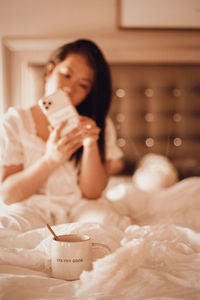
[(154, 172), (20, 144), (158, 257)]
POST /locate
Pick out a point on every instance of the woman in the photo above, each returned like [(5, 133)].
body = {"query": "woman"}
[(36, 160)]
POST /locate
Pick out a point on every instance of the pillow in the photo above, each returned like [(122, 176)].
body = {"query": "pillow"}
[(154, 172)]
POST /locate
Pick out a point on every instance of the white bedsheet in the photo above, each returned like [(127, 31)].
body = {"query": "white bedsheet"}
[(155, 257)]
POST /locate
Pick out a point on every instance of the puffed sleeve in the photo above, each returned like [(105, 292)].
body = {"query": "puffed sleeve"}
[(11, 150), (112, 149)]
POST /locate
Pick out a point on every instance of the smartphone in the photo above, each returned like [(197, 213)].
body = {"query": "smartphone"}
[(58, 108)]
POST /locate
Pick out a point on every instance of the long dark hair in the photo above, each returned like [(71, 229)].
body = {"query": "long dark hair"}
[(97, 103)]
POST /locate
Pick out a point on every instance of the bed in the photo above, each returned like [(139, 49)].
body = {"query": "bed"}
[(153, 233), (156, 255)]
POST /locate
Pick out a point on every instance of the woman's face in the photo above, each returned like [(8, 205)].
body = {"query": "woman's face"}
[(74, 76)]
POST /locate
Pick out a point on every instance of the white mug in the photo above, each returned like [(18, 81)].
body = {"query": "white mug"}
[(71, 254)]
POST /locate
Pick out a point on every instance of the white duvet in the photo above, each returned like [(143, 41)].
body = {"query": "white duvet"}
[(154, 238)]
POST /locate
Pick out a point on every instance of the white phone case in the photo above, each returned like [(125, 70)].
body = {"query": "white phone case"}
[(57, 107)]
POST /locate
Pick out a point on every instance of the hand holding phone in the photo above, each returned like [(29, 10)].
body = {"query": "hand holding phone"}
[(58, 108)]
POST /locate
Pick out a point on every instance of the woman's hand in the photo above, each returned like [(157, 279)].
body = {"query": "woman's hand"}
[(90, 131), (60, 149)]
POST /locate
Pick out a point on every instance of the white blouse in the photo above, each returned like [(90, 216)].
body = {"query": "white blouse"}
[(19, 144)]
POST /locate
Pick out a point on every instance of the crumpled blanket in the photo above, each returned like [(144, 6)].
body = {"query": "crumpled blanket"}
[(178, 204), (156, 255), (147, 262), (153, 262), (25, 266)]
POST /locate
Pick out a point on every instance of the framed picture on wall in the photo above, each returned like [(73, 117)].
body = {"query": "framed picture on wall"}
[(159, 14)]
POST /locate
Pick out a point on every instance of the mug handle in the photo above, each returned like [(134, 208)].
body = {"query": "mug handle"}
[(106, 249)]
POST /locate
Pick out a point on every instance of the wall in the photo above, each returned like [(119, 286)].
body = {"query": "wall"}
[(38, 19), (53, 18), (56, 17)]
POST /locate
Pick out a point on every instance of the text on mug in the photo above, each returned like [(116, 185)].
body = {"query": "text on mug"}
[(73, 260)]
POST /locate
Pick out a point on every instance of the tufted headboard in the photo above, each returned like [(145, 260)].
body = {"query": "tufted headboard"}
[(156, 108)]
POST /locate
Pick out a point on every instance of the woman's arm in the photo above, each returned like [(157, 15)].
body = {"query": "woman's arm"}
[(114, 166), (17, 184), (93, 176)]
